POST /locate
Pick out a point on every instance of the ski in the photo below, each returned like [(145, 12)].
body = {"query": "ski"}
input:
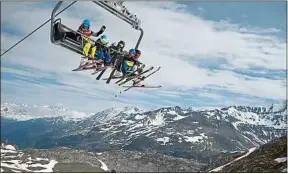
[(117, 64), (82, 67), (110, 76), (113, 78), (103, 71), (100, 75), (79, 68), (129, 75), (83, 63), (100, 69), (135, 77), (142, 79)]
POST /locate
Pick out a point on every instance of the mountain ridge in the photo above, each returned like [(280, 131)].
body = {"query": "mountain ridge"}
[(185, 133)]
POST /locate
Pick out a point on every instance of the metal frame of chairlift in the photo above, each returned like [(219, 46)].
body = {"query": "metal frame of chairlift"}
[(58, 31)]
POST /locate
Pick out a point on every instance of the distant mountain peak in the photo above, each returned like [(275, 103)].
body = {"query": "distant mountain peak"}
[(26, 112)]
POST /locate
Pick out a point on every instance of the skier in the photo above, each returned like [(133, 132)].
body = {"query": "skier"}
[(115, 49), (128, 62), (139, 65), (103, 57), (101, 44), (84, 28), (119, 47)]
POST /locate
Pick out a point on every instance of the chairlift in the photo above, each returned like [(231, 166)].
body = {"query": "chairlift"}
[(64, 36)]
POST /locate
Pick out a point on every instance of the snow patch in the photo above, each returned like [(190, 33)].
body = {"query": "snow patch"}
[(158, 120), (10, 147), (255, 137), (281, 160), (140, 117), (7, 151), (185, 112), (195, 138), (136, 126), (130, 121), (22, 166), (179, 117), (265, 133), (164, 140), (172, 112), (103, 165), (235, 124), (48, 167), (130, 110)]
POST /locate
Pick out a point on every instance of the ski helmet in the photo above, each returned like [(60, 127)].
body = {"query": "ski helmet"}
[(86, 23), (137, 54), (104, 39), (132, 52), (121, 44)]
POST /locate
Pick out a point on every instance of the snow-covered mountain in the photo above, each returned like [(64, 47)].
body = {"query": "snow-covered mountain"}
[(187, 133), (23, 112)]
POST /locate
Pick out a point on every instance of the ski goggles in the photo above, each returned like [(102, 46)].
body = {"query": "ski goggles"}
[(86, 26)]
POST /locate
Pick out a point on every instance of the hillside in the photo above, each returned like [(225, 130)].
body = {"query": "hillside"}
[(269, 158), (62, 159)]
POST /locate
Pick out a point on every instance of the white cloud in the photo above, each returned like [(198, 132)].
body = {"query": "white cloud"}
[(170, 34)]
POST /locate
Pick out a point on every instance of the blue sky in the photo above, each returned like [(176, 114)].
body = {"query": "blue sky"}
[(212, 54), (245, 13)]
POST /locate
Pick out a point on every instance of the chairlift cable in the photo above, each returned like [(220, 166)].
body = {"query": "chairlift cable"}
[(36, 29)]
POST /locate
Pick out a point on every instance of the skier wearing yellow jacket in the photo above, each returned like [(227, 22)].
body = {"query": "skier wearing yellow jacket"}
[(85, 30)]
